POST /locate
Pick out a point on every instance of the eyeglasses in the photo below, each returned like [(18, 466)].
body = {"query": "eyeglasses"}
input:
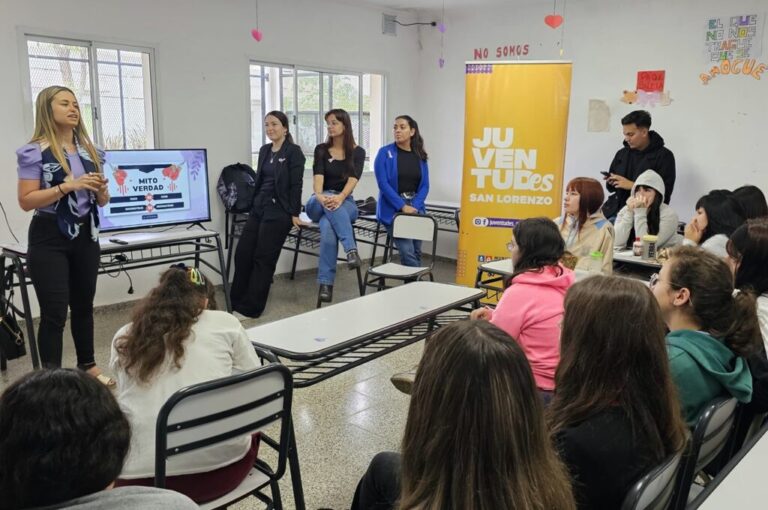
[(511, 245), (654, 280)]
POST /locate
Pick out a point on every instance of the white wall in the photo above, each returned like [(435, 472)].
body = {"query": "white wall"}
[(717, 132), (202, 53)]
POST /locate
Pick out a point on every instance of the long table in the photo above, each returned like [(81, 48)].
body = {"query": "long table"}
[(141, 249), (319, 344), (741, 483)]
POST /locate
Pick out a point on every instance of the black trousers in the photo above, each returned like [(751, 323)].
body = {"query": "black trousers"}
[(64, 276), (256, 256), (379, 488)]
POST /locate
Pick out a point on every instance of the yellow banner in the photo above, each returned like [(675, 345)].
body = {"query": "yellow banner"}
[(514, 153)]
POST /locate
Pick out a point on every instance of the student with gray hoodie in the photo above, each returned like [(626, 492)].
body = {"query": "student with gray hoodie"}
[(647, 213), (712, 329)]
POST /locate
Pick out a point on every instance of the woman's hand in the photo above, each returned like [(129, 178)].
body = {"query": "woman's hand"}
[(333, 202), (297, 222), (407, 209), (632, 202), (102, 196), (482, 314), (693, 232)]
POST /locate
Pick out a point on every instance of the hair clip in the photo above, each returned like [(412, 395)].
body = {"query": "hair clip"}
[(194, 274)]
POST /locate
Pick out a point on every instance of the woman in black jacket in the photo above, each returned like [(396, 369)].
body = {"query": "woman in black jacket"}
[(276, 208)]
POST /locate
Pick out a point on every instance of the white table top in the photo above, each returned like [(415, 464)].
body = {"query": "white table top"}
[(325, 330), (438, 204), (628, 257), (744, 487), (501, 266), (133, 240)]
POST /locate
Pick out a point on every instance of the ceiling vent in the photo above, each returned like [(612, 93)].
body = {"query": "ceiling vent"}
[(388, 24)]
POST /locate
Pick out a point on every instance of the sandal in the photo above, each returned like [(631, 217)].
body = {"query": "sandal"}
[(103, 379)]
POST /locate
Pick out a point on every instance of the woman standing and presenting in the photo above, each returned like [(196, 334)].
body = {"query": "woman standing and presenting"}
[(403, 177), (60, 177), (337, 169), (275, 210)]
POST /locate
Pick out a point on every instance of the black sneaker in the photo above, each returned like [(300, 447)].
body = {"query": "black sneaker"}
[(326, 293), (353, 259)]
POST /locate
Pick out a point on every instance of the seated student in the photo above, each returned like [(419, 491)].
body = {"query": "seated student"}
[(173, 341), (337, 168), (748, 257), (718, 214), (646, 213), (752, 201), (712, 330), (614, 415), (582, 225), (63, 440), (531, 308), (475, 436)]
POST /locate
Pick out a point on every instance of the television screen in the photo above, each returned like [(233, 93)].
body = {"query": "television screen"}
[(149, 188)]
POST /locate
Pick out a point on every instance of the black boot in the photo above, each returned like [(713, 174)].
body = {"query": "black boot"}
[(326, 293), (353, 259)]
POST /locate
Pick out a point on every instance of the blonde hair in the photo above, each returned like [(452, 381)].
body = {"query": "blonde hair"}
[(45, 129)]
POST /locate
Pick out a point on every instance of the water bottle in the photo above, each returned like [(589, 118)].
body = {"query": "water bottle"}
[(596, 262), (649, 247)]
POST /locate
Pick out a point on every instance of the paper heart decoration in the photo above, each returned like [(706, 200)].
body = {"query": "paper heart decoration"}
[(256, 34), (441, 28), (441, 62), (553, 20)]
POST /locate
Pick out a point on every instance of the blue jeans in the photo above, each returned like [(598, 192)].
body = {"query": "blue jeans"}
[(335, 227), (410, 250)]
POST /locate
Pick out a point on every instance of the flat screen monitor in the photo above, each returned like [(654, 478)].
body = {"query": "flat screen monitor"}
[(158, 187)]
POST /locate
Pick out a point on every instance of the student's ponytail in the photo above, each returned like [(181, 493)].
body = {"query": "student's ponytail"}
[(743, 336)]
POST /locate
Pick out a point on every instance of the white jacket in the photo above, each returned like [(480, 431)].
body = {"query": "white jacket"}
[(638, 217), (762, 317)]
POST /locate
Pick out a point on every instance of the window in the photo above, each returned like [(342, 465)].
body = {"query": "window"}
[(304, 95), (115, 100)]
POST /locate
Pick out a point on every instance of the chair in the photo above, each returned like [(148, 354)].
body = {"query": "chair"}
[(710, 436), (655, 489), (204, 414), (409, 226)]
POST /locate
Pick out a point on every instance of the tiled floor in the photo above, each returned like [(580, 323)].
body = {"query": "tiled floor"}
[(341, 423)]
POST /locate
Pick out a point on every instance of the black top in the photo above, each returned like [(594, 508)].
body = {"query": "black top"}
[(408, 171), (288, 178), (630, 163), (333, 170), (604, 459), (269, 171)]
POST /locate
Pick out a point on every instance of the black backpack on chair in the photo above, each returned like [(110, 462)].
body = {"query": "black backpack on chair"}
[(237, 187)]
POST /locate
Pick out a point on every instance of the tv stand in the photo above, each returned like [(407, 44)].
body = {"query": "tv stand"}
[(196, 224), (141, 249)]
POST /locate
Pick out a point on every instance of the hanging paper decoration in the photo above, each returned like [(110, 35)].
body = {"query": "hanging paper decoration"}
[(255, 32), (553, 20), (441, 29)]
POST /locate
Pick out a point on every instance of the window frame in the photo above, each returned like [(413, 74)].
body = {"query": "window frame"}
[(26, 34), (322, 71)]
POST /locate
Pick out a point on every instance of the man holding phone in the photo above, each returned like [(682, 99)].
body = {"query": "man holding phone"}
[(643, 150)]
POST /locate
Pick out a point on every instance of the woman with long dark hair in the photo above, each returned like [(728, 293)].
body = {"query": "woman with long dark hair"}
[(752, 201), (583, 226), (531, 308), (60, 177), (176, 339), (718, 214), (615, 413), (748, 257), (337, 168), (402, 174), (647, 214), (712, 330), (475, 436), (276, 208)]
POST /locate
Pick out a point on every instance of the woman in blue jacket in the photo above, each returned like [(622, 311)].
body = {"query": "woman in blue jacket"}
[(403, 177)]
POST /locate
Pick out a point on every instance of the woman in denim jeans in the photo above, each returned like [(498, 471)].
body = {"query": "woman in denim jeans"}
[(403, 177), (337, 168)]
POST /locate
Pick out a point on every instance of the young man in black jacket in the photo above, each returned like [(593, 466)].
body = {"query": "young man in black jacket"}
[(643, 150)]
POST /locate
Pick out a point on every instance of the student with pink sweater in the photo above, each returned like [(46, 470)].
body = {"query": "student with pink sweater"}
[(531, 308)]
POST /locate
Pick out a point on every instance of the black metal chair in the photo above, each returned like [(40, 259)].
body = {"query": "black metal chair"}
[(212, 412), (655, 489)]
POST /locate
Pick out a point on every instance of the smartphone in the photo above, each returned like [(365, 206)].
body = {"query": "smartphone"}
[(606, 173)]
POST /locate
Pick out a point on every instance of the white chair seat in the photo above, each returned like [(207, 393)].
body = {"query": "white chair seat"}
[(397, 270), (254, 480)]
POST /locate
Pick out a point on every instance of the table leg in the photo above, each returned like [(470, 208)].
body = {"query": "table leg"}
[(224, 274)]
